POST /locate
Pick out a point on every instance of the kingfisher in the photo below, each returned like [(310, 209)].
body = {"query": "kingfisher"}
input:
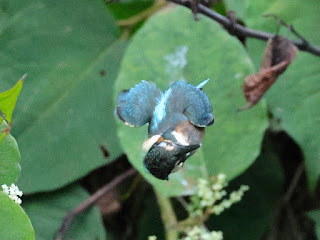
[(176, 117)]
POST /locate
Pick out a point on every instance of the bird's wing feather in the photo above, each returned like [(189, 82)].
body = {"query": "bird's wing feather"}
[(194, 103), (135, 106)]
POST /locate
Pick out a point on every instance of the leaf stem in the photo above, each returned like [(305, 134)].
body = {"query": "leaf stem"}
[(191, 221), (168, 216)]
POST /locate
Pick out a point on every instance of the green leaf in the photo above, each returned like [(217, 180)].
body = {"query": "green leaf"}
[(9, 98), (315, 215), (14, 222), (239, 7), (3, 134), (259, 205), (9, 157), (233, 142), (47, 210), (150, 222), (295, 97), (127, 9), (71, 53)]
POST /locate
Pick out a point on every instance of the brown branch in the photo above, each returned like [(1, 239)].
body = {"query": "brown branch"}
[(242, 31), (68, 219)]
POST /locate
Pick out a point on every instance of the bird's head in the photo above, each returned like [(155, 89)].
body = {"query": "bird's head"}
[(165, 157)]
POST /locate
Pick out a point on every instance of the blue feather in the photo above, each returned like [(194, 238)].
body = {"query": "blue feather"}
[(160, 109)]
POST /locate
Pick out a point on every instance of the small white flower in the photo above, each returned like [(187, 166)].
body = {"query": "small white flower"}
[(217, 209), (217, 235), (244, 188), (221, 177), (226, 203), (196, 233), (217, 187), (18, 201), (223, 193), (13, 192), (235, 196), (5, 188), (152, 237), (19, 193)]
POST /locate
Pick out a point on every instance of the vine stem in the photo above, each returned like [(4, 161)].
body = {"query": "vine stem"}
[(68, 219), (168, 216), (242, 31)]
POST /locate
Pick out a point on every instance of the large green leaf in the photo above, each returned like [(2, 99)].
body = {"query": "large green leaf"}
[(259, 205), (295, 97), (70, 51), (14, 222), (239, 7), (127, 9), (194, 51), (315, 215), (47, 210), (150, 222), (9, 158)]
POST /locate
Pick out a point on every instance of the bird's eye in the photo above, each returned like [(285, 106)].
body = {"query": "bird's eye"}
[(162, 144), (167, 146)]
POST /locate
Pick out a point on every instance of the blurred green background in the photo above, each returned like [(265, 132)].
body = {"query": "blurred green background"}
[(79, 55)]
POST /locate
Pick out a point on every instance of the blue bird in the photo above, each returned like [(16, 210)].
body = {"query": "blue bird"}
[(177, 119)]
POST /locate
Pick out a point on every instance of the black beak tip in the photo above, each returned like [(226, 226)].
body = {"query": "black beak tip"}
[(212, 122)]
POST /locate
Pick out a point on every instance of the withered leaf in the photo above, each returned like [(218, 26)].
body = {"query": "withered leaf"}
[(279, 53)]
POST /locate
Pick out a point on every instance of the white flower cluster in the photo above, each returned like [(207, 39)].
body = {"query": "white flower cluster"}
[(13, 192), (208, 196), (234, 197), (152, 237), (197, 233)]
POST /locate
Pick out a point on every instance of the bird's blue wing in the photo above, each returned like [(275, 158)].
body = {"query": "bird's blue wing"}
[(135, 106), (193, 102)]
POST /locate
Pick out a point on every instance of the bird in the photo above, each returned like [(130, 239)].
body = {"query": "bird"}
[(176, 117)]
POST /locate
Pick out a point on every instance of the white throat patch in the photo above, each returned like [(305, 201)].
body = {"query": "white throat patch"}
[(180, 138), (147, 144)]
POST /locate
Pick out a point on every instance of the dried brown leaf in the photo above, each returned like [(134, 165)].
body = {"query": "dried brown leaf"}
[(279, 53), (278, 49)]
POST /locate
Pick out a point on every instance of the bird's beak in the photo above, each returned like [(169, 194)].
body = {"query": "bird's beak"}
[(187, 149)]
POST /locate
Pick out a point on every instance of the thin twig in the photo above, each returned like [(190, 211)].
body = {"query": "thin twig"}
[(191, 221), (293, 183), (183, 203), (68, 219), (293, 222), (242, 31), (284, 204), (289, 26)]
